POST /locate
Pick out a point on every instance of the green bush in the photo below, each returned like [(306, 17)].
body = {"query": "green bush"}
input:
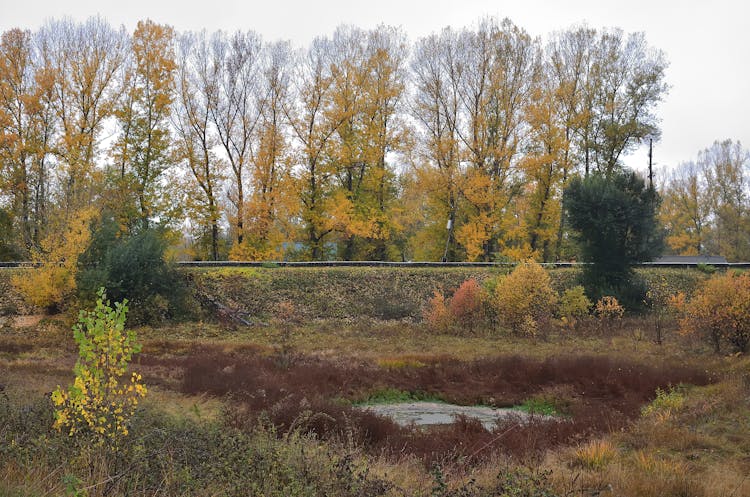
[(613, 217), (133, 267), (706, 268)]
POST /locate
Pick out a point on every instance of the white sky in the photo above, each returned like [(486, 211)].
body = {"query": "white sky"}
[(707, 43)]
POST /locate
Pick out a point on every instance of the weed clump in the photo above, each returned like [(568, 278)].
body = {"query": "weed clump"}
[(665, 404), (594, 455)]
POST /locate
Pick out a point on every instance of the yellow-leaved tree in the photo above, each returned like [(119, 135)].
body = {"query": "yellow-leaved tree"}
[(103, 397), (53, 279), (142, 150), (685, 210), (267, 210)]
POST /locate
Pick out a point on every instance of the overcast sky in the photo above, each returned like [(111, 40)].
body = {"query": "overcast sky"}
[(707, 43)]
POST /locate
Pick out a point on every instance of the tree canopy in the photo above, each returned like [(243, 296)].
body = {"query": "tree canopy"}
[(361, 145)]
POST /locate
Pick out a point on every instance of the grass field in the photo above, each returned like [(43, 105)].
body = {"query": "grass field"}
[(272, 405)]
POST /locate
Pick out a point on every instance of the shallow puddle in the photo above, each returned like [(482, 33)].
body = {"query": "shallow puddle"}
[(435, 413)]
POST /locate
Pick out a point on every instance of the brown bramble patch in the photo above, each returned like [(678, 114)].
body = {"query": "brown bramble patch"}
[(316, 394)]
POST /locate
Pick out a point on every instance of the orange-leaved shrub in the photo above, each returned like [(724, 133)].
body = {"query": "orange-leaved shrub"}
[(608, 312), (609, 309), (525, 300), (436, 314), (462, 312), (466, 308), (719, 310)]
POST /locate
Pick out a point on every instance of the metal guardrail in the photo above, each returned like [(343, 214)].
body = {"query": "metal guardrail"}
[(17, 264), (282, 264)]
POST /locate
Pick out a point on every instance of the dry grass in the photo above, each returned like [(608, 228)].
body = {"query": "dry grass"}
[(701, 449), (374, 340), (594, 455), (307, 390)]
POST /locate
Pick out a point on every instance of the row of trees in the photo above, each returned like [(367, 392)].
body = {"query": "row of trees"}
[(361, 146), (706, 203)]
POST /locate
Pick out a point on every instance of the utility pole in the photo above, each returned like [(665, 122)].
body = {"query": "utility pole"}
[(650, 163)]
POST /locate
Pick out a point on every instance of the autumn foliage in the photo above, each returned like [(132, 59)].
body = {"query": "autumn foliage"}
[(359, 146), (719, 311), (525, 299), (462, 312), (466, 305), (54, 279), (436, 313), (574, 306), (609, 311)]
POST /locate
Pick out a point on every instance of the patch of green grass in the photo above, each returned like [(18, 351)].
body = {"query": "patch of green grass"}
[(395, 396), (538, 406)]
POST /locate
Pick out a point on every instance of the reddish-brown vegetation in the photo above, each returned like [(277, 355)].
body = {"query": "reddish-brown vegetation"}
[(314, 393)]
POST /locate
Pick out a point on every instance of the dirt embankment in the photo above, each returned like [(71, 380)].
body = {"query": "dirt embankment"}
[(371, 293), (355, 293)]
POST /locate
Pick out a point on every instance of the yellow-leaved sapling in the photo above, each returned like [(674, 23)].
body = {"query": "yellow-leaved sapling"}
[(103, 396)]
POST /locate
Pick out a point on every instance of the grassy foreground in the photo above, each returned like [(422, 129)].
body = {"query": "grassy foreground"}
[(267, 410)]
